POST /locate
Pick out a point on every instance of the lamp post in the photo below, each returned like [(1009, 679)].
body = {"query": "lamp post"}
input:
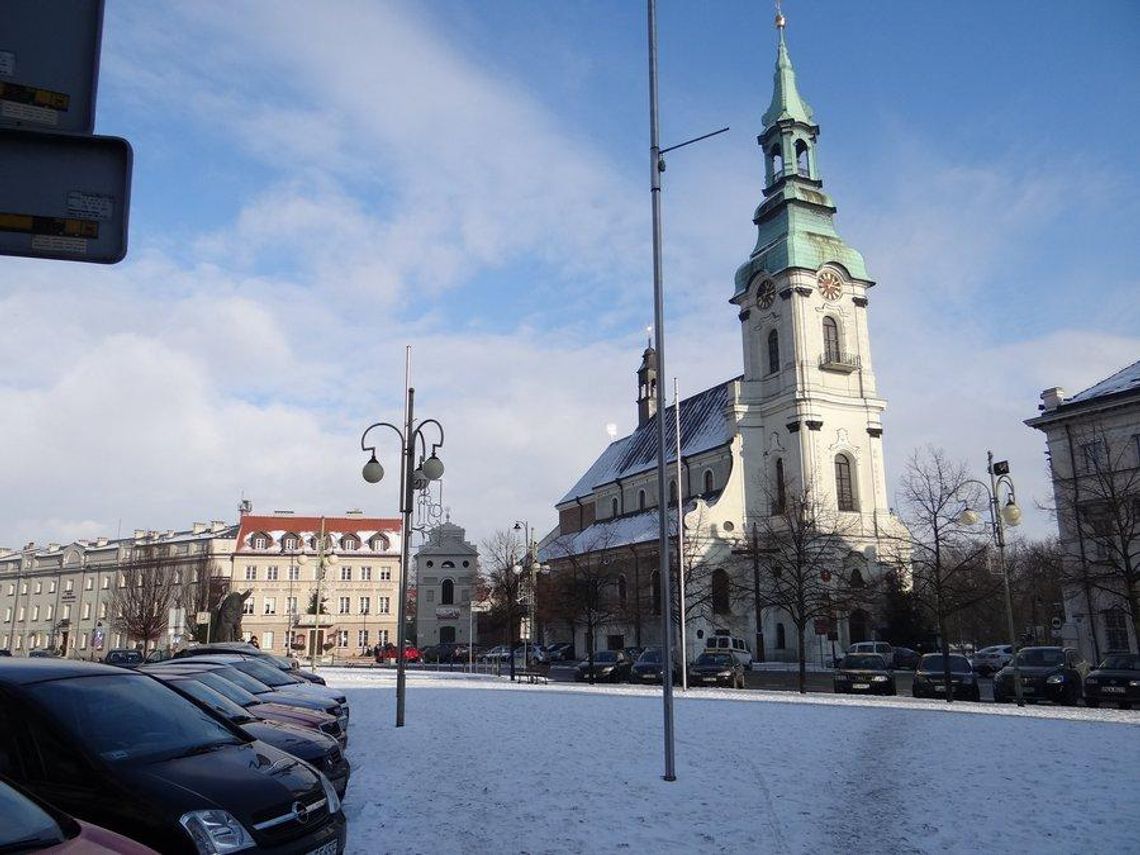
[(324, 558), (530, 561), (1000, 516), (411, 478)]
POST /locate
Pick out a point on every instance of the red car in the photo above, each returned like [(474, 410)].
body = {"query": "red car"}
[(388, 651), (33, 826)]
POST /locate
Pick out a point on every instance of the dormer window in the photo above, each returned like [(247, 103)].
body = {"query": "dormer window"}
[(350, 543), (379, 543), (290, 542), (259, 541)]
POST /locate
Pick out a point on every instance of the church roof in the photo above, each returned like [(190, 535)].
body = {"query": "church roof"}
[(1124, 380), (786, 100), (703, 427), (447, 539)]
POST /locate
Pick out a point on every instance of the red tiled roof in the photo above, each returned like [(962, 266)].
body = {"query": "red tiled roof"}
[(251, 523)]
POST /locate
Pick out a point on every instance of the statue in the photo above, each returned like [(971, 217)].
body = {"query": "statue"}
[(226, 617)]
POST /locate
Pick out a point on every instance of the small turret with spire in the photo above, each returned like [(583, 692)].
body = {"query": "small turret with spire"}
[(647, 384)]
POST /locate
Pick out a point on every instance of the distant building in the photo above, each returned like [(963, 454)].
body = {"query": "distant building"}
[(804, 418), (1093, 441), (446, 570)]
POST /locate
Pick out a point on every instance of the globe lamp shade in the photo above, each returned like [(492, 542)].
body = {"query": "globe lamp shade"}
[(433, 468), (1011, 513), (373, 471), (968, 517)]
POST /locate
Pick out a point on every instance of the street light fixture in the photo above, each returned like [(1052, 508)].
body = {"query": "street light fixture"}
[(412, 479), (1000, 516)]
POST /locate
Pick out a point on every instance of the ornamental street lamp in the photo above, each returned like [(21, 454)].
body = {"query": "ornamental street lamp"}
[(412, 478), (1000, 516), (324, 559), (530, 562)]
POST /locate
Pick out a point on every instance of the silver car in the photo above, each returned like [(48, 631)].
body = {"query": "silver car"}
[(990, 660)]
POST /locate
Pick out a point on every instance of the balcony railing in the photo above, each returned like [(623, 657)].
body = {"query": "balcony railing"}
[(844, 363)]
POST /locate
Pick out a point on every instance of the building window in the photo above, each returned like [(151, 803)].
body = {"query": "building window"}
[(781, 637), (51, 586), (106, 583), (365, 574), (247, 607), (781, 490), (8, 615), (50, 612), (291, 605), (271, 573), (102, 611), (365, 605), (294, 573), (342, 638), (349, 543), (447, 593), (381, 636), (39, 587), (23, 589), (844, 490), (379, 543), (773, 352), (344, 605), (1092, 454), (291, 541), (11, 588), (20, 614), (83, 641), (88, 583), (260, 541), (86, 611), (802, 167), (641, 500), (385, 574), (710, 481), (346, 574), (35, 613), (383, 605), (1116, 629), (250, 573), (720, 598), (267, 640), (270, 607), (831, 349), (362, 638)]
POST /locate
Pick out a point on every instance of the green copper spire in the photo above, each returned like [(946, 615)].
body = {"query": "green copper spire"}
[(786, 100), (795, 221)]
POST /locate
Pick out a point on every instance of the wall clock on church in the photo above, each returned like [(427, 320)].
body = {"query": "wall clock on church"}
[(830, 285), (765, 294)]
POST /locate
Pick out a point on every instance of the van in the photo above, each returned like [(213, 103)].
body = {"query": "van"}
[(881, 647), (722, 642)]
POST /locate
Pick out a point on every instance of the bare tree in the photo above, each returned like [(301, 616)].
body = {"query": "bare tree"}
[(149, 585), (504, 587), (948, 561), (800, 551), (1098, 509)]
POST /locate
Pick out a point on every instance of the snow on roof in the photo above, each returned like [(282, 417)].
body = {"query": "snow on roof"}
[(703, 427), (1124, 380)]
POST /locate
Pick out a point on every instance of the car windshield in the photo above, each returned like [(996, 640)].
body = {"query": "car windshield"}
[(250, 684), (864, 662), (281, 662), (718, 659), (226, 688), (650, 657), (1121, 662), (933, 662), (1041, 657), (26, 826), (124, 657), (130, 717), (267, 674), (606, 656), (214, 700)]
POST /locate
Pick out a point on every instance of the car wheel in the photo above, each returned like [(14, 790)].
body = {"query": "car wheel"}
[(1089, 702)]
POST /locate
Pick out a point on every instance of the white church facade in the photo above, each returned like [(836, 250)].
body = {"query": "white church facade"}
[(804, 417)]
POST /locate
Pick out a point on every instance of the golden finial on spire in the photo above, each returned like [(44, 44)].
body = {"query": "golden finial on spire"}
[(781, 21)]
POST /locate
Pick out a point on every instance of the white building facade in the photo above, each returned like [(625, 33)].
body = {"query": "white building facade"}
[(447, 567)]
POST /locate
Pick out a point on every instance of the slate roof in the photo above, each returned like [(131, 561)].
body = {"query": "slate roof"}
[(703, 427), (1124, 380)]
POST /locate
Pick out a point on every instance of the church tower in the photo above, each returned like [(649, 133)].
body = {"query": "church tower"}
[(808, 412), (647, 386)]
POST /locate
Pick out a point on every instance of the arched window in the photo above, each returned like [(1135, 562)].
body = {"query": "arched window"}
[(641, 500), (781, 490), (447, 635), (350, 543), (777, 162), (447, 593), (781, 637), (710, 481), (613, 507), (802, 166), (720, 592), (844, 490), (856, 578), (655, 586), (831, 347), (672, 492), (621, 586), (773, 352)]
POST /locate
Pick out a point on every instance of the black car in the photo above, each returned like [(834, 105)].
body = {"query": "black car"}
[(276, 678), (313, 747), (119, 749), (611, 666), (125, 658), (715, 668), (222, 648), (1047, 673), (561, 651), (905, 659), (650, 665), (864, 674), (1116, 679), (930, 678)]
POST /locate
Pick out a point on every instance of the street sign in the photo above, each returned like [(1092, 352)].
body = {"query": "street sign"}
[(822, 626), (481, 608), (49, 64), (64, 197), (202, 617)]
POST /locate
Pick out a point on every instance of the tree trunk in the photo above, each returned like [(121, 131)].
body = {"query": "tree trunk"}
[(803, 659)]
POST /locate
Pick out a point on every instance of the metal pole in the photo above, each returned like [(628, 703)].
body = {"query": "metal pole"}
[(317, 600), (659, 334), (406, 468), (999, 536), (680, 543), (470, 634)]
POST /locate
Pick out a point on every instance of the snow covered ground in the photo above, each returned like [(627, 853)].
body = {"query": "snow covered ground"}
[(484, 765)]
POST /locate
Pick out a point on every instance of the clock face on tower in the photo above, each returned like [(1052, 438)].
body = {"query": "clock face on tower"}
[(765, 294), (830, 285)]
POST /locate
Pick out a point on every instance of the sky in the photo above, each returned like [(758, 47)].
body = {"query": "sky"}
[(318, 186), (570, 768)]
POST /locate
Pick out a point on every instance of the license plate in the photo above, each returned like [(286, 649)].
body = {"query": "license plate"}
[(861, 686), (708, 679), (940, 688), (328, 849), (1114, 689)]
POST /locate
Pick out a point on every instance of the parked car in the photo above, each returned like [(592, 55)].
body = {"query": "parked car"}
[(717, 667), (611, 666), (722, 642), (388, 651), (314, 747), (498, 653), (1047, 673), (562, 651), (930, 678), (650, 666), (535, 654), (29, 825), (906, 659), (5, 652), (311, 719), (116, 747), (990, 660), (124, 658), (279, 680), (223, 648), (1115, 679), (881, 648), (864, 674), (44, 653)]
